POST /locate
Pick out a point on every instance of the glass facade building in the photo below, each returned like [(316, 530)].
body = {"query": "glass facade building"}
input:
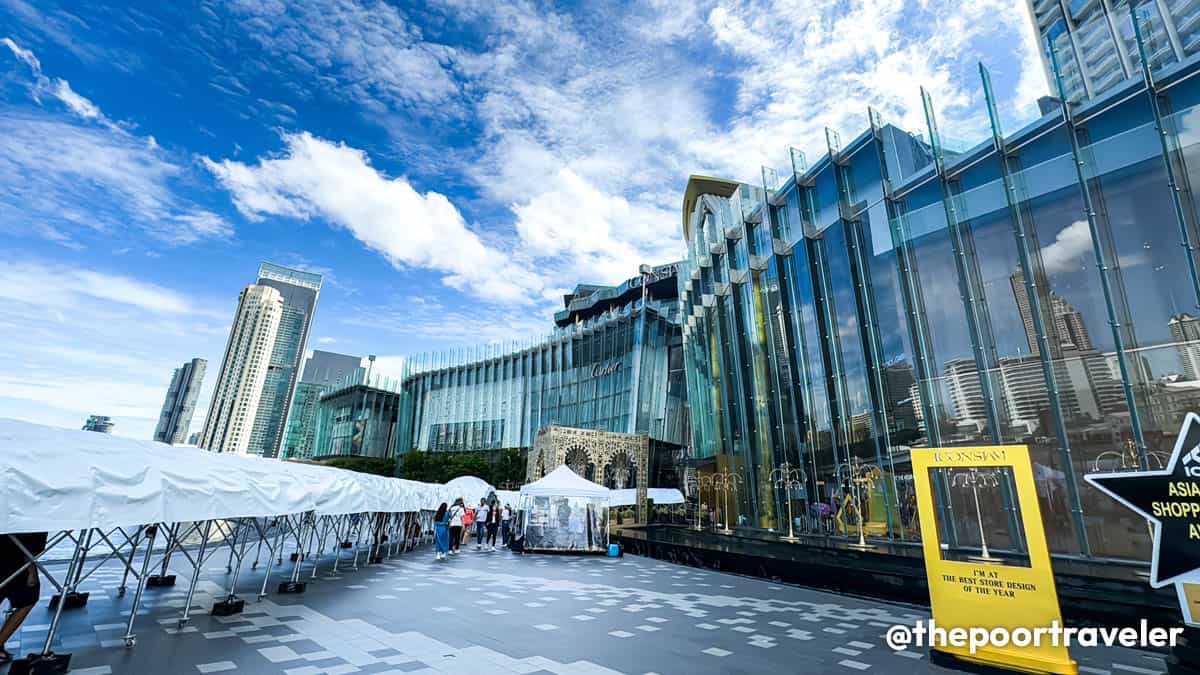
[(299, 290), (180, 403), (1096, 45), (612, 363), (359, 416), (321, 370), (1039, 288)]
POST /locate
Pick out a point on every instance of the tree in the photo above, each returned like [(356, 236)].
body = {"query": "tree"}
[(379, 466)]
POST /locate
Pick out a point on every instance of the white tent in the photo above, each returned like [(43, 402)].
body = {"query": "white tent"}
[(660, 496), (563, 482), (67, 479)]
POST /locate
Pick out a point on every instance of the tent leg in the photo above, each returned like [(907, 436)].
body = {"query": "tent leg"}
[(257, 551), (232, 604), (71, 598), (130, 639), (337, 546), (358, 540), (132, 553), (187, 607), (262, 593), (325, 522), (47, 661), (162, 579)]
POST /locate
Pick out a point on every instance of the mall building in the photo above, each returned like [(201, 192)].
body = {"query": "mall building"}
[(613, 362), (1037, 288)]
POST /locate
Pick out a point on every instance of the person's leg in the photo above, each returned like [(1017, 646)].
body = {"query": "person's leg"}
[(14, 621)]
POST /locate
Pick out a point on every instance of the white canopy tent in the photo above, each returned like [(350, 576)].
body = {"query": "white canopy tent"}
[(563, 482), (111, 498), (564, 512)]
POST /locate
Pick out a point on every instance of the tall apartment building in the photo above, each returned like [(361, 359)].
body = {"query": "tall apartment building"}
[(180, 403), (1095, 43), (100, 423), (299, 291), (238, 392), (1185, 332)]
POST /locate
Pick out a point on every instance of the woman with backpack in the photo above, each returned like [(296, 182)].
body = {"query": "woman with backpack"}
[(441, 532)]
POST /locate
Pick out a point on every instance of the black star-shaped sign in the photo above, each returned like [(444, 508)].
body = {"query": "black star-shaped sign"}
[(1169, 499)]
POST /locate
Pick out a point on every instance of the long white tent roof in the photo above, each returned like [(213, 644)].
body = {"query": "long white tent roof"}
[(59, 479)]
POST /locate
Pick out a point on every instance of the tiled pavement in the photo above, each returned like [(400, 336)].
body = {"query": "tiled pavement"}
[(505, 613)]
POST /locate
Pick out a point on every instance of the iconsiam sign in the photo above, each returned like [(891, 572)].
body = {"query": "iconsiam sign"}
[(904, 291)]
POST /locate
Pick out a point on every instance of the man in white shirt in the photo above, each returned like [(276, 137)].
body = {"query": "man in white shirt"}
[(505, 524), (456, 525)]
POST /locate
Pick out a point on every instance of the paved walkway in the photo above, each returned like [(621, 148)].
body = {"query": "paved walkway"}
[(505, 613)]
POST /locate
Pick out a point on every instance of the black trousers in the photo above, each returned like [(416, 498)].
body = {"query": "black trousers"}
[(455, 537), (491, 528)]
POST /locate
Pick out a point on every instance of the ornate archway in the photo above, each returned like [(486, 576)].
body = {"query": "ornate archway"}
[(615, 460)]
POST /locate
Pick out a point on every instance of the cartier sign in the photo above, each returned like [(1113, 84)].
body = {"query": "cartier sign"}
[(602, 369)]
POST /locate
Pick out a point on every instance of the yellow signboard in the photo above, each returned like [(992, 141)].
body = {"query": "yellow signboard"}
[(989, 591)]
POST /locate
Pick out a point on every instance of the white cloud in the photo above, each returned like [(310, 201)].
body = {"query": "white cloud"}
[(58, 88), (1070, 250), (60, 178), (319, 178), (66, 288), (94, 341), (326, 340), (82, 178)]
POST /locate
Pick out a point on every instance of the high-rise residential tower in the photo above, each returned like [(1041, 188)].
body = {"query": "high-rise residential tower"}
[(299, 291), (100, 423), (176, 415), (239, 388), (1095, 43), (1185, 331)]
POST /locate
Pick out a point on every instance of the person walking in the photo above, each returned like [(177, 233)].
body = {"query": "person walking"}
[(441, 532), (482, 512), (505, 524), (468, 522), (456, 515), (493, 525)]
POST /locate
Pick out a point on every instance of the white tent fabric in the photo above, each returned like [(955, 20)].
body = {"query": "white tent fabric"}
[(563, 482), (61, 479), (470, 488), (628, 497), (510, 497)]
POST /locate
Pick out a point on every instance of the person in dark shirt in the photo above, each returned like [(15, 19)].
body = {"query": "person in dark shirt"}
[(24, 588)]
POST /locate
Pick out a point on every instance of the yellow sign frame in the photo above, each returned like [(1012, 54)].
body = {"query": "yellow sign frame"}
[(967, 594)]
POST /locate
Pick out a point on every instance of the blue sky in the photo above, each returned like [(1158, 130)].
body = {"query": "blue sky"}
[(452, 166)]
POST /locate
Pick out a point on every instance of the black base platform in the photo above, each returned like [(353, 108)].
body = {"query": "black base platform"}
[(41, 664), (292, 587), (73, 600), (160, 581), (228, 607), (1090, 593)]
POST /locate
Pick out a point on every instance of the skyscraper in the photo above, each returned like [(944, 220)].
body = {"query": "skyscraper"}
[(239, 388), (1095, 43), (1069, 331), (176, 415), (322, 370), (1185, 332), (100, 423), (299, 291)]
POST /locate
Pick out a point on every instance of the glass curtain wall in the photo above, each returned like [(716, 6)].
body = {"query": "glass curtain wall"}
[(897, 295)]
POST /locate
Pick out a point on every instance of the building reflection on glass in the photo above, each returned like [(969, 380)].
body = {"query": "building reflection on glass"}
[(897, 294)]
